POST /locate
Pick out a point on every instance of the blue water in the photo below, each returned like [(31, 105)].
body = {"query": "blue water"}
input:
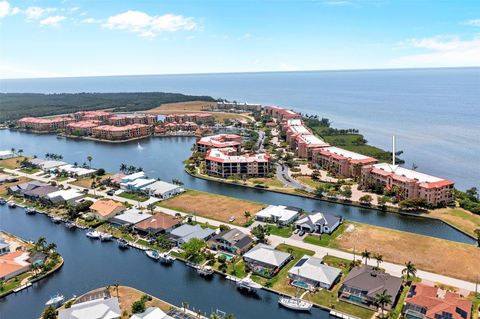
[(435, 113)]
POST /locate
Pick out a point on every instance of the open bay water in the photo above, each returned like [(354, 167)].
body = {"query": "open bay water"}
[(435, 113)]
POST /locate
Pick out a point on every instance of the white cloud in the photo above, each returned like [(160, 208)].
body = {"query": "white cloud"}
[(149, 26), (473, 22), (6, 9), (246, 36), (91, 21), (35, 13), (53, 21), (440, 51)]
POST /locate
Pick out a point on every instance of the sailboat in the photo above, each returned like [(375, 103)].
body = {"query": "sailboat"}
[(295, 303)]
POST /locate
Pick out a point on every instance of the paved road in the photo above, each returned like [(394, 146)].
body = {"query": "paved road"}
[(391, 268), (284, 177)]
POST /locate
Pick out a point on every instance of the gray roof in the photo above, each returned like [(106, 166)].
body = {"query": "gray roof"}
[(95, 309), (130, 217), (186, 232), (27, 186), (161, 187), (313, 268), (319, 218), (267, 254), (41, 191), (373, 282), (235, 237)]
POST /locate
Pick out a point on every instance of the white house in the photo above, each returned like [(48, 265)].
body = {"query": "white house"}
[(75, 170), (132, 177), (319, 223), (98, 308), (312, 273), (278, 214), (162, 189), (6, 154), (69, 195), (151, 313)]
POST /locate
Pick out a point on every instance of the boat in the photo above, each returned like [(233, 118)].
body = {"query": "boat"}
[(12, 204), (166, 258), (248, 284), (30, 210), (205, 271), (153, 254), (2, 201), (55, 301), (93, 234), (70, 225), (57, 219), (105, 237), (122, 243), (295, 303)]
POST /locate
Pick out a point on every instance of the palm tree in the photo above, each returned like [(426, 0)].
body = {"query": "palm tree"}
[(382, 300), (89, 159), (409, 270), (40, 244), (184, 306), (75, 164), (20, 151), (379, 259), (247, 215), (123, 167), (477, 232), (116, 288), (366, 255), (52, 247)]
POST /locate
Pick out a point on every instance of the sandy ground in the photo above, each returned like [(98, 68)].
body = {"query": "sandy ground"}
[(427, 253), (213, 206), (10, 163), (127, 296)]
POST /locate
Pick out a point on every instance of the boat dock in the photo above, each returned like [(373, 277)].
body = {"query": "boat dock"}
[(22, 287), (341, 315)]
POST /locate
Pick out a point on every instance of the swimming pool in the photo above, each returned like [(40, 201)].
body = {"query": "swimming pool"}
[(300, 284), (227, 256)]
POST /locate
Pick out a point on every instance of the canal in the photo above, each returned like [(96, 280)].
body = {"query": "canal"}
[(163, 157), (91, 264)]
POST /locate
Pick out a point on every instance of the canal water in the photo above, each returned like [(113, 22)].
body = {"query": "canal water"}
[(163, 157), (91, 264)]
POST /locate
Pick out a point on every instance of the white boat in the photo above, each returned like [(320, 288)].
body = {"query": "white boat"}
[(105, 237), (12, 204), (93, 234), (55, 301), (248, 284), (57, 219), (153, 254), (70, 225), (295, 303), (122, 243), (205, 271), (30, 210), (2, 201), (166, 258)]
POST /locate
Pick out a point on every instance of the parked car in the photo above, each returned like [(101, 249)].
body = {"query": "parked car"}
[(110, 193), (301, 233), (296, 231)]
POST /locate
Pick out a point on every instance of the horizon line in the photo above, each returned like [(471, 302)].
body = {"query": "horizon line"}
[(243, 72)]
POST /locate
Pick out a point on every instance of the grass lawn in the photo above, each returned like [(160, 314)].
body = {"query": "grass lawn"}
[(134, 196), (307, 180), (326, 240), (458, 217), (428, 253), (15, 282), (61, 178), (212, 206), (29, 170), (270, 182), (281, 231), (397, 311), (476, 304), (107, 228), (86, 182)]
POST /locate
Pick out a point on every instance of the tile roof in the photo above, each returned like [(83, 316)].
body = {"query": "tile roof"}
[(105, 207), (268, 255), (157, 223), (373, 282)]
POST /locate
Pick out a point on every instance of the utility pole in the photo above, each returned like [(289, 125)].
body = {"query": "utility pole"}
[(393, 150)]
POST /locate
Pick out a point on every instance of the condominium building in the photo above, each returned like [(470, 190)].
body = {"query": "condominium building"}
[(218, 162), (122, 120), (81, 128), (251, 107), (43, 124), (341, 162), (300, 139), (184, 126), (197, 118), (408, 183), (219, 141), (101, 116), (115, 133), (281, 114)]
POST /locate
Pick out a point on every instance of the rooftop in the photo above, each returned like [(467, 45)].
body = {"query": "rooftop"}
[(112, 128), (311, 139), (282, 213), (157, 222), (98, 309), (219, 156), (313, 268), (268, 255), (13, 262), (161, 187), (105, 207), (131, 217), (427, 180), (344, 153), (373, 282)]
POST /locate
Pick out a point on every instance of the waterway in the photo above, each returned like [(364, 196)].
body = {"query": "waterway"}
[(162, 158), (91, 264)]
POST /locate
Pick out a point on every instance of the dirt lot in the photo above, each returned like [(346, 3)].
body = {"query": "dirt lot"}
[(458, 217), (428, 253), (127, 296), (87, 181), (195, 106), (10, 163), (212, 206)]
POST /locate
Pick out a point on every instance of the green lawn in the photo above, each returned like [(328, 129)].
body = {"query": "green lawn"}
[(134, 196), (285, 232), (326, 240), (476, 304), (29, 170)]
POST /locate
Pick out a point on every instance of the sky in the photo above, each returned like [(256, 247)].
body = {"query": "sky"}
[(66, 38)]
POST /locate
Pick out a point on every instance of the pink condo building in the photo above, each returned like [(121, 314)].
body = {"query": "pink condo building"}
[(222, 163), (219, 141)]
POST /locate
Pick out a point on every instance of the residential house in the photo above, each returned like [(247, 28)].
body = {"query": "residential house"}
[(428, 302), (4, 247), (13, 264), (266, 260), (6, 154), (20, 189), (76, 170), (138, 184), (311, 273), (129, 217), (219, 141), (151, 313), (319, 223), (364, 283), (40, 193), (105, 209), (65, 196), (184, 233), (156, 224), (98, 308), (232, 241), (278, 214), (162, 189)]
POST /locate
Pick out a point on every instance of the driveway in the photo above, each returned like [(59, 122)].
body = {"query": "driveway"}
[(283, 176)]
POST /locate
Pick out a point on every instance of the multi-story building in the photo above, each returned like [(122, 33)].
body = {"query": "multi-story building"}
[(219, 141), (281, 114), (249, 107), (185, 126), (341, 162), (43, 124), (218, 162), (197, 118), (408, 183), (300, 139), (117, 133), (81, 128), (101, 116), (122, 120)]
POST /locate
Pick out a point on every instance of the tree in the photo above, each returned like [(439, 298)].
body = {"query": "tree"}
[(346, 192), (366, 199), (247, 215), (477, 232), (123, 167), (379, 259), (116, 288), (382, 300), (193, 248), (184, 306), (50, 313), (89, 159), (366, 255), (40, 244), (51, 248), (409, 270), (261, 233), (138, 306), (471, 192)]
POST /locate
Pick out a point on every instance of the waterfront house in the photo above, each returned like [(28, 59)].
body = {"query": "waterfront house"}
[(156, 224), (76, 170), (151, 313), (40, 193), (232, 241), (278, 214), (81, 128), (138, 184), (105, 209), (129, 217), (13, 264), (265, 260), (4, 247), (65, 196), (408, 183), (429, 302), (20, 189), (132, 177), (46, 165), (4, 178), (363, 283), (162, 190), (6, 154), (108, 308), (311, 273), (43, 124), (281, 114), (320, 223), (221, 163), (184, 233)]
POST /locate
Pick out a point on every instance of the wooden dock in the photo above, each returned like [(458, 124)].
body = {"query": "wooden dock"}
[(22, 287), (341, 315)]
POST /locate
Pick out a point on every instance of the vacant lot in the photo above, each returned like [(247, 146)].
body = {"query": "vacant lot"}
[(212, 206), (428, 253), (86, 182), (458, 217), (10, 162)]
